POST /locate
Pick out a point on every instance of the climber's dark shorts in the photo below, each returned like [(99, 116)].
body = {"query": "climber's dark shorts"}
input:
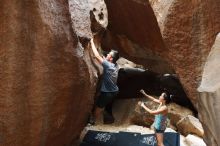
[(158, 131), (105, 98)]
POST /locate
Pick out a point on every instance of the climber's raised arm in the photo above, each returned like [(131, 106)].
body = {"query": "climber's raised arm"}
[(95, 52), (150, 97), (161, 110)]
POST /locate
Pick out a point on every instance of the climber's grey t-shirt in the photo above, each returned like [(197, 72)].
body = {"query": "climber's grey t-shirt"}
[(110, 75)]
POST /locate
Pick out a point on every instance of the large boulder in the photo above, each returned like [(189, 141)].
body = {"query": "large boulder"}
[(47, 80), (134, 30), (188, 30), (190, 125), (177, 112)]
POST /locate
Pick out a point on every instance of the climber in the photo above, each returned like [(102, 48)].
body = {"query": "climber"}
[(160, 121), (109, 88)]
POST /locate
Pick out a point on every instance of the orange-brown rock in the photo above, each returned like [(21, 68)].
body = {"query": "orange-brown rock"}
[(190, 125), (177, 112), (134, 30), (47, 81), (189, 29)]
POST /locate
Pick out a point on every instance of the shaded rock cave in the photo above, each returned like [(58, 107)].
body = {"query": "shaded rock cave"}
[(132, 80)]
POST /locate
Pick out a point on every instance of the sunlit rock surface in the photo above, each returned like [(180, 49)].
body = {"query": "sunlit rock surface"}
[(209, 100), (190, 125), (193, 140)]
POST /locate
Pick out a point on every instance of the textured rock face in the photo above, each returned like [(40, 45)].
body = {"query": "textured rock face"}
[(46, 76), (134, 22), (135, 31), (189, 30), (190, 125), (80, 14), (177, 113)]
